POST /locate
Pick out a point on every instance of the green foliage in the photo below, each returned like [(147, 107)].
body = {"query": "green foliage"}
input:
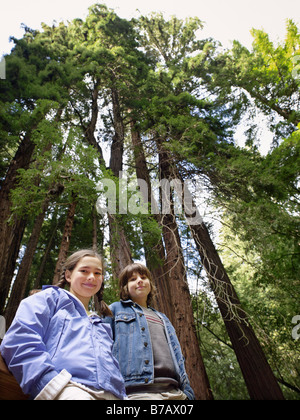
[(186, 97), (263, 278), (264, 78), (58, 161)]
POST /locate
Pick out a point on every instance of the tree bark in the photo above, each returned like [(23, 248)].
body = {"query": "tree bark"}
[(47, 252), (155, 258), (11, 231), (258, 375), (21, 280), (65, 243), (181, 300), (119, 245)]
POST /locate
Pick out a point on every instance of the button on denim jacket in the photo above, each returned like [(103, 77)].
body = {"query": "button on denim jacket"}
[(133, 349)]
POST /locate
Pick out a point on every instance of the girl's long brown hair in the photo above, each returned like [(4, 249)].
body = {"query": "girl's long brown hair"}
[(70, 264)]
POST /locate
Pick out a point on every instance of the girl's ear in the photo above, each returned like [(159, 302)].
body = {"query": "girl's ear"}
[(68, 275)]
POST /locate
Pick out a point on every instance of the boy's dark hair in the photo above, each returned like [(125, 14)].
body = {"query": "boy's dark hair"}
[(125, 275)]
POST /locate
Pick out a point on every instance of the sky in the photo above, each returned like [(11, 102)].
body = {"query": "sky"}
[(224, 20)]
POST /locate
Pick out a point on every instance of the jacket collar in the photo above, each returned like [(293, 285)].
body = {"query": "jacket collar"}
[(78, 303), (132, 303)]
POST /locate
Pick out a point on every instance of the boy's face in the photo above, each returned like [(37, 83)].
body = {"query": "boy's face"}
[(86, 279), (139, 288)]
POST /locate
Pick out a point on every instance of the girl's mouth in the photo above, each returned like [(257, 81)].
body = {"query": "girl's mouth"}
[(89, 285)]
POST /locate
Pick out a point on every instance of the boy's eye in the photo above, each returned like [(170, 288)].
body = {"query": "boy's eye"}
[(143, 277)]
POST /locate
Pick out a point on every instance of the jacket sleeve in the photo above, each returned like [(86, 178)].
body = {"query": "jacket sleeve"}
[(23, 347)]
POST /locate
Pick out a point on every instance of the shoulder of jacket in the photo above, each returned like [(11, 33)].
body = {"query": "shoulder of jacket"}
[(43, 293), (48, 293), (116, 306), (53, 291), (42, 302), (121, 306)]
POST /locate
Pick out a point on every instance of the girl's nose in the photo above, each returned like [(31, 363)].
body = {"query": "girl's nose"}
[(91, 276)]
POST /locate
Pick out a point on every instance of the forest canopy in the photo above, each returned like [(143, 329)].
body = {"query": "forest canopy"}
[(141, 140)]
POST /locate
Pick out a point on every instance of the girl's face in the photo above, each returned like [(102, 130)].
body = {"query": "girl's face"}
[(139, 288), (86, 279)]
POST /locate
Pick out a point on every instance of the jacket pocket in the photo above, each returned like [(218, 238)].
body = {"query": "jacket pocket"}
[(125, 346), (54, 342), (125, 323)]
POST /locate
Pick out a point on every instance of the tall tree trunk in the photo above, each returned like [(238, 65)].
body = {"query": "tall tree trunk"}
[(11, 231), (89, 130), (95, 231), (181, 300), (117, 146), (11, 234), (21, 280), (119, 245), (46, 254), (65, 243), (258, 375), (21, 160), (7, 271), (155, 258)]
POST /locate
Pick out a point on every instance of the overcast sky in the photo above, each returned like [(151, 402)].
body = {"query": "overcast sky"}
[(225, 20)]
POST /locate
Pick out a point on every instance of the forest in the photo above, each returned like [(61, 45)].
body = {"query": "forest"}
[(142, 140)]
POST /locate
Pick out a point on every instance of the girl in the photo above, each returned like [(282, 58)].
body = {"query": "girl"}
[(55, 348), (146, 344)]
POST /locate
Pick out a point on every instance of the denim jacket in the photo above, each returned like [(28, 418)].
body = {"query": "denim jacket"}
[(51, 333), (133, 349)]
